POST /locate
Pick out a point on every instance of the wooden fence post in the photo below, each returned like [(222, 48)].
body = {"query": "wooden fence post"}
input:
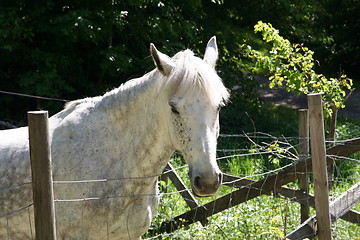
[(41, 171), (318, 153), (304, 153)]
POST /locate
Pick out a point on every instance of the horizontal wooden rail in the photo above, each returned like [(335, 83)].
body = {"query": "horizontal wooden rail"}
[(337, 208), (292, 194), (184, 192)]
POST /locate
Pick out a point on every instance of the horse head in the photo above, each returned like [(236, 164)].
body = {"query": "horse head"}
[(195, 96)]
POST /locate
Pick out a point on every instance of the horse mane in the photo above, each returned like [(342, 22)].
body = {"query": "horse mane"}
[(192, 74)]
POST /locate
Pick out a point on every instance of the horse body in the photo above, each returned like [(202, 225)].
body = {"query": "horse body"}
[(129, 203), (124, 140)]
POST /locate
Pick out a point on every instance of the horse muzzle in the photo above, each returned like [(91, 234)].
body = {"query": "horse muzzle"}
[(205, 185)]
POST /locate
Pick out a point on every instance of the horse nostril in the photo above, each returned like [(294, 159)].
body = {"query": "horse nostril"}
[(197, 183)]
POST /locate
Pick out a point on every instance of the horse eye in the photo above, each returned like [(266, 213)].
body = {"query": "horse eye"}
[(173, 109)]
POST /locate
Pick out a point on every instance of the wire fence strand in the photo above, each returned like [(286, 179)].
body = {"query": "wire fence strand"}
[(34, 96), (257, 207)]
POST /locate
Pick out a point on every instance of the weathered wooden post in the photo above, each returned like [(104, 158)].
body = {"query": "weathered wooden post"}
[(318, 153), (40, 156), (304, 153)]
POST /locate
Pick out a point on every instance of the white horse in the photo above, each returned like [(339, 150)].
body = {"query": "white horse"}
[(125, 137)]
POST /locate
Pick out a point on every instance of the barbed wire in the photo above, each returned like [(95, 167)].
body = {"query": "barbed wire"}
[(15, 186), (292, 140), (288, 147), (18, 210), (262, 135), (249, 154), (107, 179), (34, 96), (334, 157), (120, 196)]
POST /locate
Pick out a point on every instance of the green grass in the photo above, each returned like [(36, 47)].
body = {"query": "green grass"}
[(265, 217)]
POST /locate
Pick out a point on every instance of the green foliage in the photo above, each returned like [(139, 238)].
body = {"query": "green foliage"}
[(348, 169), (73, 49), (294, 66), (242, 116)]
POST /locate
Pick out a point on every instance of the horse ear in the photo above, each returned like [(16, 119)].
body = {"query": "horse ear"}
[(211, 52), (162, 61)]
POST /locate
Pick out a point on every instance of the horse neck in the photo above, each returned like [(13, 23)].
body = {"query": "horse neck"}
[(135, 109)]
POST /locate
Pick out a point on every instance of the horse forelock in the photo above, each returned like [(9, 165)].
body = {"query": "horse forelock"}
[(192, 75)]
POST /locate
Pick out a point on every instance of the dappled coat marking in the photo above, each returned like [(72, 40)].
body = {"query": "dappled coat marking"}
[(125, 137)]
